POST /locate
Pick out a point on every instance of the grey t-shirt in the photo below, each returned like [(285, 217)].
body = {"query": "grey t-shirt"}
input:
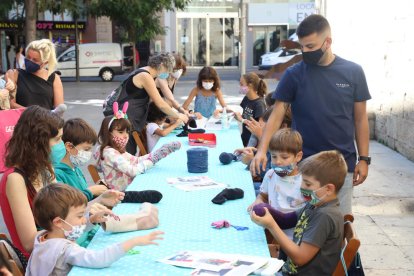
[(323, 228)]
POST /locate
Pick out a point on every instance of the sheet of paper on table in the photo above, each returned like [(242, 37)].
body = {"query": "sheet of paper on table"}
[(214, 263), (245, 265), (194, 183)]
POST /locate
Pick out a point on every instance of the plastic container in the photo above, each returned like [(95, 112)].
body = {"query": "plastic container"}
[(202, 139)]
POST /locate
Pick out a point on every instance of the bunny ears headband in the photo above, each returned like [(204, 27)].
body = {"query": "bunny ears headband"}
[(118, 114)]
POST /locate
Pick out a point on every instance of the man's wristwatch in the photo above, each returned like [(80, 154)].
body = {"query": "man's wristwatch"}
[(365, 158)]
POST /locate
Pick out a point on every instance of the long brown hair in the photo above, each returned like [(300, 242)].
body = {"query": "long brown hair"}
[(208, 73), (104, 135), (256, 83), (29, 149)]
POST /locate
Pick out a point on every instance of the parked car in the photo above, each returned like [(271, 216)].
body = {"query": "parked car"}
[(281, 54), (95, 59)]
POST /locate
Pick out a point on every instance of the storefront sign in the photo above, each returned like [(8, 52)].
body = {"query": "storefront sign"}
[(59, 25), (10, 25)]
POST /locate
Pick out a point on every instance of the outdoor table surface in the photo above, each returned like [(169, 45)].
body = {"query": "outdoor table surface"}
[(186, 217)]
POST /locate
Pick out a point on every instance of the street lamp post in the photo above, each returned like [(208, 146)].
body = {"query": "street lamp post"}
[(77, 48)]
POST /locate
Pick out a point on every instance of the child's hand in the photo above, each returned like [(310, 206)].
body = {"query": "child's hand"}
[(183, 117), (238, 116), (255, 127), (216, 113), (98, 213), (250, 208), (111, 197), (10, 86), (149, 239), (97, 190), (266, 221), (247, 155), (198, 115), (4, 94)]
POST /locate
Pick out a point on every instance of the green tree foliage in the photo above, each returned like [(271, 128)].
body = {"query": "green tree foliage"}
[(140, 18), (8, 5)]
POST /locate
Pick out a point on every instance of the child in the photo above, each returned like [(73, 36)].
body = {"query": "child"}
[(79, 138), (253, 103), (157, 127), (59, 210), (7, 92), (281, 185), (206, 92), (118, 166), (318, 235)]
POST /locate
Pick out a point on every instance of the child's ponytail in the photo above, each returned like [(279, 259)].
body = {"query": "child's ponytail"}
[(258, 84), (262, 88)]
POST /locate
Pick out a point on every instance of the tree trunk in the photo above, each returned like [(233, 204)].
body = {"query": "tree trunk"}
[(30, 23)]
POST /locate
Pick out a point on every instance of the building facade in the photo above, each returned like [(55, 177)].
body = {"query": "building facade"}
[(210, 32)]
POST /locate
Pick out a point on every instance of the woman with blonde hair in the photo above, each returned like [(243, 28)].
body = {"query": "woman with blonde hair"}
[(37, 84)]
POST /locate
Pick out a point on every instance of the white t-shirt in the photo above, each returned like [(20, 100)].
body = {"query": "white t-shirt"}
[(283, 193), (152, 138)]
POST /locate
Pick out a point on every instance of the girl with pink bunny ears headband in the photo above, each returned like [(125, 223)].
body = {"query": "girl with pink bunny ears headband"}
[(118, 114)]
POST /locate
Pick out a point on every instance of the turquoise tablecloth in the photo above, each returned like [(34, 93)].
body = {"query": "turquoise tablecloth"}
[(185, 217)]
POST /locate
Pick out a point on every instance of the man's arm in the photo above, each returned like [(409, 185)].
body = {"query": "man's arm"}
[(362, 140), (273, 124)]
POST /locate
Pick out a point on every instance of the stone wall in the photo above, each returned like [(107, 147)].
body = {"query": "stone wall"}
[(379, 36)]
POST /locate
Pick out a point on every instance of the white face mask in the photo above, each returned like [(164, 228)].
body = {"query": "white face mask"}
[(207, 85), (177, 74), (75, 233), (81, 159)]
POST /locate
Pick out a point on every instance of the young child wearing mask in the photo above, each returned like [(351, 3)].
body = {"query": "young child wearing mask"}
[(118, 166), (79, 138), (59, 210), (281, 184), (317, 240), (253, 104), (206, 92)]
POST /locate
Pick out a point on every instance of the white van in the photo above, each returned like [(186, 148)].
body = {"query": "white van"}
[(95, 59)]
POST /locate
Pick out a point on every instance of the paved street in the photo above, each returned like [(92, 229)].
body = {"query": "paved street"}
[(383, 205)]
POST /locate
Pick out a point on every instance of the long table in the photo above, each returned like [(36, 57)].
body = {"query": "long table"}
[(185, 217)]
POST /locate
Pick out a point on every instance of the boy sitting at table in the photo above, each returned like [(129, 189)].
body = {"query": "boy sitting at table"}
[(280, 189), (79, 138), (317, 239), (60, 209)]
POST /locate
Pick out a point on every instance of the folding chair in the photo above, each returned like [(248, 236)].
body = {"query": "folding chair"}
[(93, 171), (140, 144), (11, 257), (349, 249)]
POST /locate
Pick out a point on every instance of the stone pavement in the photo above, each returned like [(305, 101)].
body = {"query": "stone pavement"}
[(383, 207)]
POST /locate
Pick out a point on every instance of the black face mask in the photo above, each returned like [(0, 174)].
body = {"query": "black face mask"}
[(31, 67), (313, 57)]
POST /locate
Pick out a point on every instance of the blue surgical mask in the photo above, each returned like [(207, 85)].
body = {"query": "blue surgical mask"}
[(163, 76), (58, 151), (283, 171), (31, 67)]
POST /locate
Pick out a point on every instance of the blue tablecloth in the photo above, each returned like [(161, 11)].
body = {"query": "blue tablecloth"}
[(185, 217)]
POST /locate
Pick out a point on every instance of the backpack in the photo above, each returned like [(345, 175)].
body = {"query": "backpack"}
[(119, 95)]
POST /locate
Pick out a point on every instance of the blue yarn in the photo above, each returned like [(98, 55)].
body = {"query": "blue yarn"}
[(197, 160)]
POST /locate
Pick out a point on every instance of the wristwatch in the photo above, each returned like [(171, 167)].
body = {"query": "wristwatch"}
[(365, 158)]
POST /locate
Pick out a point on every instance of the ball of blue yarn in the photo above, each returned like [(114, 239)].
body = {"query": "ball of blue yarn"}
[(197, 160), (226, 158)]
